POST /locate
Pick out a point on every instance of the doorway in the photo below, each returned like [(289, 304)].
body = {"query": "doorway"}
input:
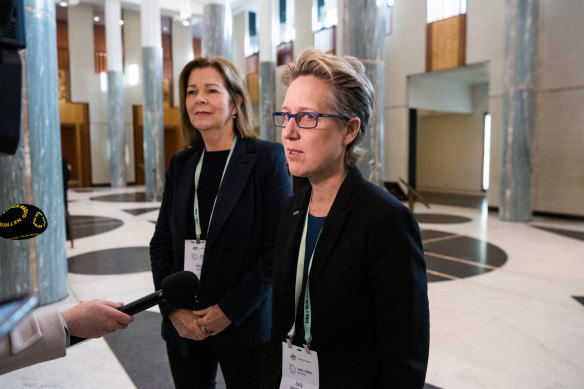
[(447, 138)]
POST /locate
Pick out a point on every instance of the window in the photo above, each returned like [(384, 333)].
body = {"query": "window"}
[(285, 50), (251, 38), (443, 9), (486, 150), (287, 31), (325, 14), (389, 17)]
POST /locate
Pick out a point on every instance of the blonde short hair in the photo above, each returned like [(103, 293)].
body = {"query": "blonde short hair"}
[(352, 93), (236, 86)]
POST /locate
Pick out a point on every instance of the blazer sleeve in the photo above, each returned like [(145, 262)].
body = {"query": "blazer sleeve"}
[(38, 338), (276, 187), (397, 271), (161, 244)]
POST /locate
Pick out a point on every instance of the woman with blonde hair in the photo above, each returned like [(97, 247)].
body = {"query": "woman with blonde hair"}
[(219, 216), (350, 305)]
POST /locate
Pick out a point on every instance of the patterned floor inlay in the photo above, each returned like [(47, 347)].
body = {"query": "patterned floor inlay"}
[(437, 218), (142, 352), (568, 233), (451, 256), (83, 226), (112, 261), (134, 197), (140, 211)]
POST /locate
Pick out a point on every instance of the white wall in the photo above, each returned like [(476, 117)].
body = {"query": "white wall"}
[(558, 150), (485, 41), (450, 148), (405, 54), (182, 53)]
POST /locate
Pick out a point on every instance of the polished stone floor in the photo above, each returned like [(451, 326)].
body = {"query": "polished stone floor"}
[(506, 299)]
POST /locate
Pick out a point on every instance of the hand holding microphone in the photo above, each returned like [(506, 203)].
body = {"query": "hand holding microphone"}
[(178, 288)]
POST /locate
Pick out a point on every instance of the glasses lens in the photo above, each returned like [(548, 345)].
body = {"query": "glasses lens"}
[(279, 119), (306, 119)]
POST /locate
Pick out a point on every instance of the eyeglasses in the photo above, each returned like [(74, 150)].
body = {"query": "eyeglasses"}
[(303, 119)]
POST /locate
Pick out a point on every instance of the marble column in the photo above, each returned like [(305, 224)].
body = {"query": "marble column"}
[(42, 124), (364, 38), (15, 266), (152, 111), (115, 94), (268, 36), (217, 30), (521, 20)]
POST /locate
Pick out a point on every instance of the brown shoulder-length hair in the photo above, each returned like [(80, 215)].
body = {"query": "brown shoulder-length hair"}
[(235, 84), (352, 93)]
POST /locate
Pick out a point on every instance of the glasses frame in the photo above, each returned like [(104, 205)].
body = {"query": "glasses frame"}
[(289, 115)]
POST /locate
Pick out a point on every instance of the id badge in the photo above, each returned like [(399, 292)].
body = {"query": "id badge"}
[(194, 253), (299, 369)]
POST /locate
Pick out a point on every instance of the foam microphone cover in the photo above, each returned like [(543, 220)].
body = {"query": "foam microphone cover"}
[(22, 221), (180, 288)]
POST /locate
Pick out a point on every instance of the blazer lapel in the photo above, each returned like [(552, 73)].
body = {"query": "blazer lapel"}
[(236, 177), (333, 226)]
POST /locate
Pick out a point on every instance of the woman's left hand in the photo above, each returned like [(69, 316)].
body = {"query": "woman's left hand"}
[(212, 320)]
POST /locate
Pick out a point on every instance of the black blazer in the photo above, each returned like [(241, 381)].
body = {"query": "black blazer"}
[(368, 290), (237, 267)]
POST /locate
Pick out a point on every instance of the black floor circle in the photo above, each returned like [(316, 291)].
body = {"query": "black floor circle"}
[(111, 261)]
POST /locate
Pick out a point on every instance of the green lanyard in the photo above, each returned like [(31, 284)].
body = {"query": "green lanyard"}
[(197, 177), (299, 276)]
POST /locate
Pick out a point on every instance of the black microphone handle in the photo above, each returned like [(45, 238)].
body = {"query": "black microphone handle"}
[(132, 308), (143, 303)]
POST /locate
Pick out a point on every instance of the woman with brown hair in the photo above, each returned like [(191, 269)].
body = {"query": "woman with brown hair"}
[(219, 216)]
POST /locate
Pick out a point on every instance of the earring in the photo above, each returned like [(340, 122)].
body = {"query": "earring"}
[(235, 116)]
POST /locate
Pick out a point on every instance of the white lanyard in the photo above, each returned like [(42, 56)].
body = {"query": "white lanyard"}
[(197, 177), (299, 277)]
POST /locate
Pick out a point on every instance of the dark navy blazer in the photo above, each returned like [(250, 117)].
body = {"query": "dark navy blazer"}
[(368, 290), (237, 267)]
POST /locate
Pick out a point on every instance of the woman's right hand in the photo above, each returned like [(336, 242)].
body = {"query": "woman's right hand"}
[(185, 323)]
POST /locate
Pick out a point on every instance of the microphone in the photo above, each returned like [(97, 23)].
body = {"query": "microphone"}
[(22, 221), (178, 288)]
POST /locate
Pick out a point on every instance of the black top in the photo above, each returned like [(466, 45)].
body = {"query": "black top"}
[(211, 171)]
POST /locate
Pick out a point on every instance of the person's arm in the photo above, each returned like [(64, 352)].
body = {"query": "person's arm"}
[(95, 318), (161, 245), (398, 274), (41, 335)]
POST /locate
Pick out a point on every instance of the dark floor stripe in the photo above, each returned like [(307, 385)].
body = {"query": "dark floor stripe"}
[(112, 261), (432, 234), (468, 248), (83, 226), (456, 269), (428, 386), (436, 278), (580, 299), (568, 233), (440, 218), (142, 352), (140, 211), (135, 197)]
